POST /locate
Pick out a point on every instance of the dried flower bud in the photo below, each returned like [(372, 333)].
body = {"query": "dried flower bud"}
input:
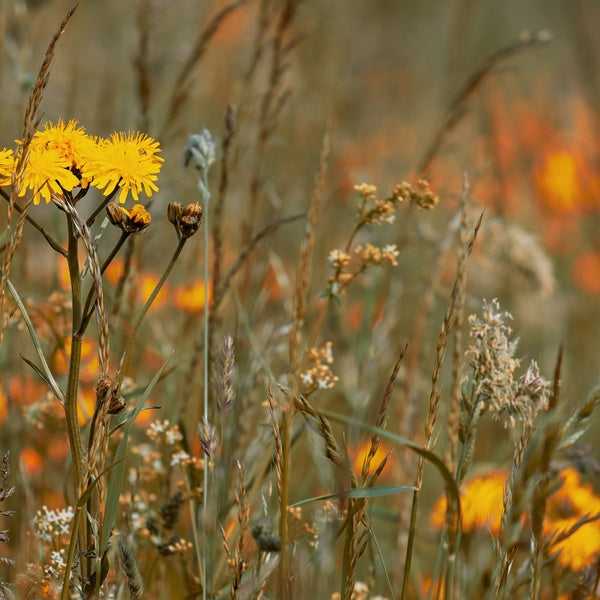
[(171, 510), (268, 542), (116, 401), (114, 214), (185, 220), (190, 219), (129, 221), (265, 539), (174, 212)]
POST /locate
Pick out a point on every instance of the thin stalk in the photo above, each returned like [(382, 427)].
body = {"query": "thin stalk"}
[(72, 422), (102, 206), (205, 386), (125, 356), (286, 438), (195, 535), (410, 544), (64, 595), (88, 310), (53, 243)]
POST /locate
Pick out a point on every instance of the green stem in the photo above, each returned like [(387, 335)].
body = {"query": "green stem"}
[(72, 421), (101, 207), (125, 356), (410, 544), (88, 309), (205, 386), (53, 243)]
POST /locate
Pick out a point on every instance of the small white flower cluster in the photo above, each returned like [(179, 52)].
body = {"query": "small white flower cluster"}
[(48, 525)]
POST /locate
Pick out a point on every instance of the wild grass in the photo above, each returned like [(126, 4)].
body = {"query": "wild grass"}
[(267, 376)]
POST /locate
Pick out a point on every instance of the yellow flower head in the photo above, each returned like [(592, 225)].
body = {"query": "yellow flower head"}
[(70, 141), (7, 163), (46, 172), (127, 160), (566, 507), (481, 504), (581, 548)]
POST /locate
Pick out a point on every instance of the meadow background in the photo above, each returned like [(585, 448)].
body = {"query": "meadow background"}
[(377, 80)]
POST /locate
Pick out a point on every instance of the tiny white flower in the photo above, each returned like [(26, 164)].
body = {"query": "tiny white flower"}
[(307, 378)]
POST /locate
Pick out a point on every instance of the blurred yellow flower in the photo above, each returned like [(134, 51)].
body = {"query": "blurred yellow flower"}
[(128, 161), (481, 504), (360, 454), (581, 548), (146, 284), (572, 501), (46, 172), (7, 163), (191, 298)]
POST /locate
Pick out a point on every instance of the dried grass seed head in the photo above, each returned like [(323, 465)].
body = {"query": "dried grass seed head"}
[(492, 357)]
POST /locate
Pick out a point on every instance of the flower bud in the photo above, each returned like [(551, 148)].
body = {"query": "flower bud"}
[(129, 221)]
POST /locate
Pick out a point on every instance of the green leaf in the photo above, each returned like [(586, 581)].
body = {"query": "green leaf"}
[(115, 483), (48, 377), (370, 492)]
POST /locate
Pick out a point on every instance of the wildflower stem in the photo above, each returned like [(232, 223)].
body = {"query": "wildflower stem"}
[(53, 243), (88, 308), (125, 356), (206, 352), (286, 438), (73, 378), (101, 207)]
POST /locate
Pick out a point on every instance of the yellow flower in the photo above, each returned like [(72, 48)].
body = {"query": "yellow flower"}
[(129, 161), (566, 506), (581, 548), (47, 171), (481, 504), (70, 141), (7, 163)]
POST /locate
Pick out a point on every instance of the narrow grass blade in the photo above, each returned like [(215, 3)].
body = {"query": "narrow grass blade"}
[(434, 459), (382, 561), (116, 478), (49, 378), (372, 492)]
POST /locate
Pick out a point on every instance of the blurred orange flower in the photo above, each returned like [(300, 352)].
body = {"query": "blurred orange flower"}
[(586, 272), (360, 453), (3, 406), (190, 298), (114, 271), (147, 282), (31, 459), (481, 504), (565, 182), (88, 356), (86, 405)]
